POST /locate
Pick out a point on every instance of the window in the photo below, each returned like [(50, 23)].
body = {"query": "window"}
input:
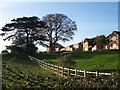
[(86, 43), (114, 45)]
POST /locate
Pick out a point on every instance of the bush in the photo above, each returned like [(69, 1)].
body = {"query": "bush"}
[(65, 60), (5, 52)]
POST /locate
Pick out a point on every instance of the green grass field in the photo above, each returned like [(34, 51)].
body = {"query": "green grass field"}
[(100, 60), (20, 73), (24, 64), (105, 61)]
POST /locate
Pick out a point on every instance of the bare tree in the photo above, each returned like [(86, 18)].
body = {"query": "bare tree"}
[(59, 28)]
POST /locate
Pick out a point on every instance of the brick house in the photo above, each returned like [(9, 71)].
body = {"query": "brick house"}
[(94, 44), (58, 48), (69, 48), (87, 44), (114, 40), (99, 45), (78, 47), (63, 49), (101, 42)]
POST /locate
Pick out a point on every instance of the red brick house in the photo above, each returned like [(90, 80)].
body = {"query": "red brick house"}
[(114, 40), (94, 44), (100, 43)]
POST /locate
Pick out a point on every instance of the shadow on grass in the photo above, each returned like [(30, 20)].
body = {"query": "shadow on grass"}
[(20, 58)]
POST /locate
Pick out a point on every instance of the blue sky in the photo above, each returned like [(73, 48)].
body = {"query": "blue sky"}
[(92, 18)]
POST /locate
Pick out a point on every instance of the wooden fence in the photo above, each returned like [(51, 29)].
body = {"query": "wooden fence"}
[(67, 71)]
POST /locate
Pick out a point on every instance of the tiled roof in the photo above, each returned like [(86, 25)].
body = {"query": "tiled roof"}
[(118, 32), (58, 46)]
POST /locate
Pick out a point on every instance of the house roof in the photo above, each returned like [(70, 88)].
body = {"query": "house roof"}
[(59, 46), (108, 36), (86, 39), (118, 32), (90, 41)]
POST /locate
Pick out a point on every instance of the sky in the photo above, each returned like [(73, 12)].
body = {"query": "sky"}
[(92, 18), (59, 0)]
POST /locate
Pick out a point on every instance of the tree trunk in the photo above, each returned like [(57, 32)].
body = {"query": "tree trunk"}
[(51, 44), (51, 47), (51, 50)]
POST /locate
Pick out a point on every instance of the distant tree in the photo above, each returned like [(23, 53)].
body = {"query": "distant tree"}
[(59, 28), (14, 49), (23, 31), (103, 39)]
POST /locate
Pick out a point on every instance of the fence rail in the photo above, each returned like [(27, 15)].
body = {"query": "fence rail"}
[(67, 71)]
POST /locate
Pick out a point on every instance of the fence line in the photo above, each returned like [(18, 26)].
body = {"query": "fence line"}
[(67, 71)]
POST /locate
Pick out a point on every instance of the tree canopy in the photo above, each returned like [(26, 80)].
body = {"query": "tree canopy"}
[(23, 31), (59, 28)]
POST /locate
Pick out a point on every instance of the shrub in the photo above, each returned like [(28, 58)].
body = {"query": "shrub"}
[(5, 52), (65, 60)]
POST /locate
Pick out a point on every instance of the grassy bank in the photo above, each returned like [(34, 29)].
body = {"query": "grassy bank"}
[(101, 60), (24, 64), (105, 61), (19, 73)]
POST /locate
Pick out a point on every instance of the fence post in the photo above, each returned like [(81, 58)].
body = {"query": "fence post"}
[(62, 71), (75, 72), (44, 65), (68, 71), (51, 67), (58, 69), (97, 74), (47, 65), (41, 65), (84, 73)]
